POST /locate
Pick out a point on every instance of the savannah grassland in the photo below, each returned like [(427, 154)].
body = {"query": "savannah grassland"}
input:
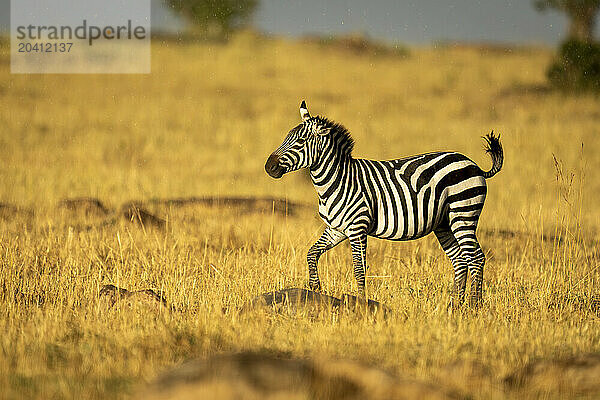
[(203, 123)]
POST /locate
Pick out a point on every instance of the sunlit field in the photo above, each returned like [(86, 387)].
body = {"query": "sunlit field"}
[(203, 124)]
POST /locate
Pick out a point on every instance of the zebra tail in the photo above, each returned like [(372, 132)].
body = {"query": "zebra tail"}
[(494, 148)]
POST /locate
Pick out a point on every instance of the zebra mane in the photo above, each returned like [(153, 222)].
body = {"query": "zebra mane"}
[(340, 135)]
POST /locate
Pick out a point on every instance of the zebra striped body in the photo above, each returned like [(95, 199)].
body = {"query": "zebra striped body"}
[(402, 199), (414, 199)]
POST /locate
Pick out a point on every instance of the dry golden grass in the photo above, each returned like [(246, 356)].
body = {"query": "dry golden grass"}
[(203, 123)]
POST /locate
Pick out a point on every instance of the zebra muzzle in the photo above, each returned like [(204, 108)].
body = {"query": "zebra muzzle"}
[(273, 168)]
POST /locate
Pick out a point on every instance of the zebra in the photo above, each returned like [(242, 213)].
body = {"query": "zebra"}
[(401, 199)]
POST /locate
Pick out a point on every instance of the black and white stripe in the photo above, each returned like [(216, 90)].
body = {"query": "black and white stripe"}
[(402, 199)]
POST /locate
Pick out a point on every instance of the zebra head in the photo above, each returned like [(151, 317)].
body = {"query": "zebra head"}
[(299, 149)]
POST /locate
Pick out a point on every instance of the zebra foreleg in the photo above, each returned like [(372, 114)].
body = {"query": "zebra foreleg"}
[(328, 239), (358, 243)]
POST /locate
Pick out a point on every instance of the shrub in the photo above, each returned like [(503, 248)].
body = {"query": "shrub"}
[(214, 18), (577, 67)]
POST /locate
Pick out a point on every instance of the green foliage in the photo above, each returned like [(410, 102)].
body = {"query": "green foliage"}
[(577, 67), (214, 17)]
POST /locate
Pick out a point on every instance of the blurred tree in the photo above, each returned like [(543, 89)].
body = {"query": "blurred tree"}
[(581, 13), (214, 17), (577, 67)]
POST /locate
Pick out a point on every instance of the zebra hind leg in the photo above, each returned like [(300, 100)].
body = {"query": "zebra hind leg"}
[(459, 263), (471, 250), (476, 263)]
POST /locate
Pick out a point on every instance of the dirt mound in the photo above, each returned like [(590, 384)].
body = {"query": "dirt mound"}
[(241, 204), (295, 300), (8, 212), (138, 212), (111, 294), (268, 376), (135, 213), (87, 205), (578, 375)]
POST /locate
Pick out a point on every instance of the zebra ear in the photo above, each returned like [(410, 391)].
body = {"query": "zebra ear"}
[(304, 111)]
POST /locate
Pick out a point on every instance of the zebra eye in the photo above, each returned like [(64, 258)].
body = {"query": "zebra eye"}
[(301, 140)]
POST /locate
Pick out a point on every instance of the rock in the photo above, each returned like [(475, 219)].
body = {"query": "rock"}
[(112, 294), (578, 375), (297, 299), (292, 299), (251, 375), (355, 303)]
